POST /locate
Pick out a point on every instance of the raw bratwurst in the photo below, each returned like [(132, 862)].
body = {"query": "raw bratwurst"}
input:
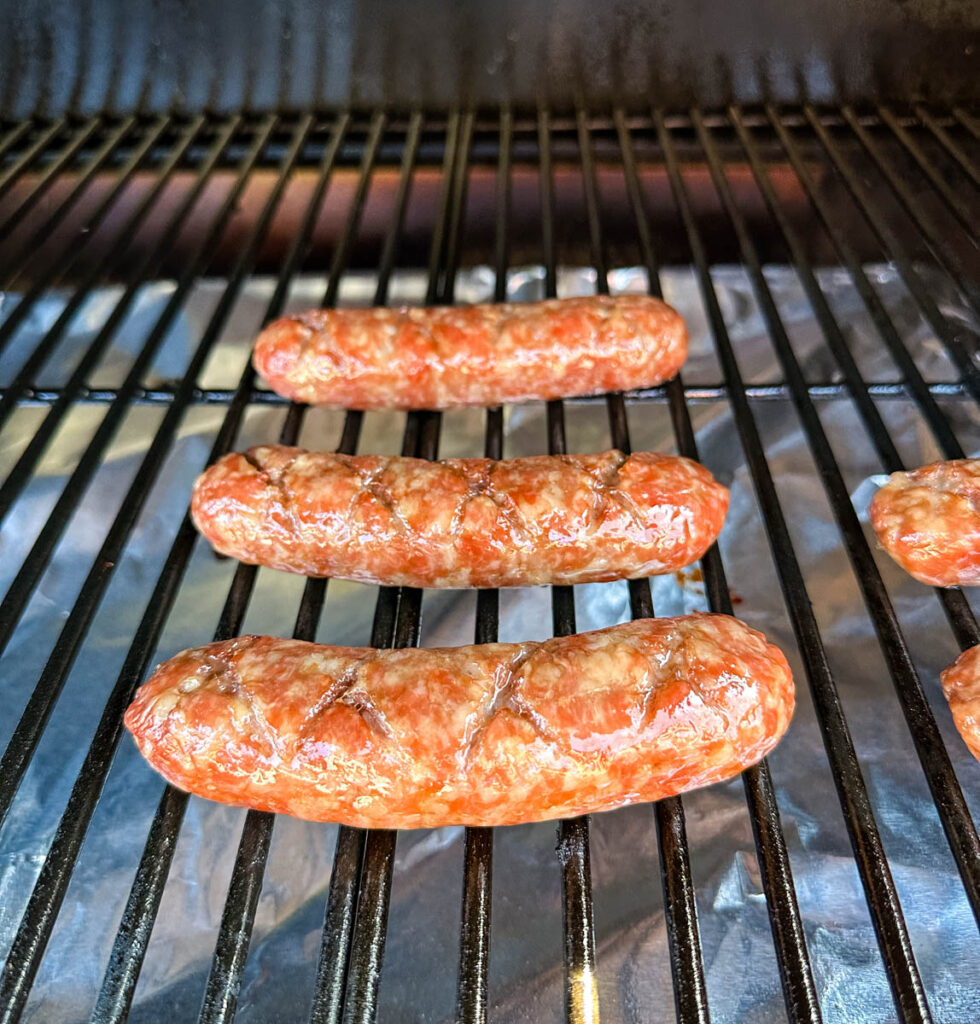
[(928, 520), (462, 522), (441, 357), (961, 684), (488, 735)]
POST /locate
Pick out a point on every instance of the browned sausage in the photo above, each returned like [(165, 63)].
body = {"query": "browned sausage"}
[(489, 735), (961, 684), (438, 358), (928, 520), (461, 522)]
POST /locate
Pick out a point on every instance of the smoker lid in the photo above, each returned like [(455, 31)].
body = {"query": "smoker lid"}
[(158, 55)]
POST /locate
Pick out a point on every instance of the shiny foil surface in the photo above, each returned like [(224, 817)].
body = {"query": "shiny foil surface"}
[(526, 968)]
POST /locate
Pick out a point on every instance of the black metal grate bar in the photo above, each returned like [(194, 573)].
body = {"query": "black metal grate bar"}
[(92, 166), (581, 987), (13, 137), (31, 455), (474, 963), (15, 758), (134, 931), (123, 970), (338, 927), (397, 623), (950, 145), (929, 169), (402, 627), (865, 202), (964, 119), (29, 155), (235, 931), (957, 609), (954, 602), (29, 729), (935, 237), (47, 177), (62, 263), (45, 901), (342, 895), (474, 936), (234, 935), (143, 903), (777, 878), (680, 905), (352, 947), (943, 784), (873, 865), (933, 415), (24, 740), (163, 394)]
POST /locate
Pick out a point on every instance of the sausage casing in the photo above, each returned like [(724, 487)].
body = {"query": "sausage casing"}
[(442, 357), (488, 735), (961, 684), (461, 522), (928, 520)]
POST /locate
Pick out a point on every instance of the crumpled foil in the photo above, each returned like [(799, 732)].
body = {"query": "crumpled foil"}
[(419, 977)]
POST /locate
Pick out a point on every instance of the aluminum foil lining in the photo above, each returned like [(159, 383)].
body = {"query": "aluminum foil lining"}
[(419, 977)]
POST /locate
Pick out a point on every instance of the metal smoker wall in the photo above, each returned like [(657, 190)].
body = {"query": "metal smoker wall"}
[(161, 55)]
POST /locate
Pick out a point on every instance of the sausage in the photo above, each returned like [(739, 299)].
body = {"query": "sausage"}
[(442, 357), (961, 684), (461, 522), (496, 734), (928, 520)]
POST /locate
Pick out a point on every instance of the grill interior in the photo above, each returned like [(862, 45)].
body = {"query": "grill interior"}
[(118, 205)]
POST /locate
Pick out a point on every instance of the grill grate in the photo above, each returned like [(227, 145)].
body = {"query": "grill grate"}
[(923, 156)]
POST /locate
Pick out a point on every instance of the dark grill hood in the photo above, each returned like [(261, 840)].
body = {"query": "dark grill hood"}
[(163, 55)]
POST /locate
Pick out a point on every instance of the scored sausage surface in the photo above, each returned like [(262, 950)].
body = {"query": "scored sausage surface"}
[(397, 521), (443, 357), (928, 520), (495, 734), (961, 684)]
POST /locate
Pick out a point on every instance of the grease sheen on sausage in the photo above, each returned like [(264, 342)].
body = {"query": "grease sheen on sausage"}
[(928, 520), (398, 521), (961, 685), (486, 735), (442, 357)]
